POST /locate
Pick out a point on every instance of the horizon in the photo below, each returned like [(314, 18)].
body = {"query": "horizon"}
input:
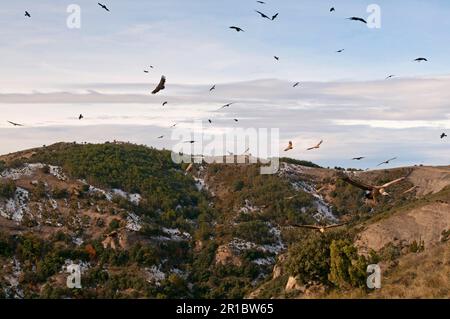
[(51, 74)]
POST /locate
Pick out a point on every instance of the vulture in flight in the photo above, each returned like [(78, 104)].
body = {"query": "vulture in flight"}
[(274, 16), (290, 147), (226, 105), (357, 19), (237, 29), (387, 162), (262, 14), (373, 191), (340, 51), (276, 58), (316, 146), (321, 229), (161, 85), (296, 84), (358, 158), (164, 104), (27, 14), (14, 124), (332, 9), (212, 88), (390, 77), (262, 2), (421, 60), (103, 6), (443, 135), (160, 136), (80, 117)]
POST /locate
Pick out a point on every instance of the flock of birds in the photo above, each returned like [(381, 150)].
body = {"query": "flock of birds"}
[(372, 191)]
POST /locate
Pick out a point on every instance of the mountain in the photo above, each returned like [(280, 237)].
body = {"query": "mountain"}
[(140, 227)]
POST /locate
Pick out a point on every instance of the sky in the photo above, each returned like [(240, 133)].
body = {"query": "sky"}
[(50, 74)]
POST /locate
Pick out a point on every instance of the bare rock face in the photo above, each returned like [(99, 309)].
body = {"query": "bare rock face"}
[(278, 268), (424, 223), (226, 256), (293, 285)]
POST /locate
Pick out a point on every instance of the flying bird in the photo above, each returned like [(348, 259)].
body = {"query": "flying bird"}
[(173, 125), (27, 14), (261, 2), (319, 228), (160, 136), (276, 57), (145, 71), (236, 120), (387, 162), (421, 60), (103, 6), (332, 9), (443, 135), (165, 103), (373, 191), (191, 142), (262, 14), (390, 77), (237, 29), (316, 146), (340, 51), (161, 85), (14, 124), (81, 117), (357, 19), (226, 105), (290, 147), (296, 84), (274, 16), (358, 158), (212, 88), (210, 121)]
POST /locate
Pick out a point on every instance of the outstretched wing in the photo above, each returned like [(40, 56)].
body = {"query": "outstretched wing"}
[(307, 226), (161, 85), (358, 184), (398, 180), (334, 226)]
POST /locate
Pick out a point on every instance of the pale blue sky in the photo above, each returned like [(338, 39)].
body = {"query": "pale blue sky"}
[(189, 41)]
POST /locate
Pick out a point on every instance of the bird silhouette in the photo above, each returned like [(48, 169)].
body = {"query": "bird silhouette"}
[(276, 57), (165, 103), (357, 19), (160, 136), (236, 120), (274, 16), (262, 15), (27, 14), (387, 162), (340, 51), (421, 60), (319, 228), (145, 71), (80, 117), (191, 142), (316, 146), (209, 121), (390, 77), (261, 2), (332, 9), (296, 84), (103, 6), (443, 135), (237, 29), (226, 105), (290, 147), (160, 86), (15, 124), (212, 88), (373, 191), (358, 158)]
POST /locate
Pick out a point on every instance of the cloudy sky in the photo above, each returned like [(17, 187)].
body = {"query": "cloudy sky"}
[(50, 74)]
